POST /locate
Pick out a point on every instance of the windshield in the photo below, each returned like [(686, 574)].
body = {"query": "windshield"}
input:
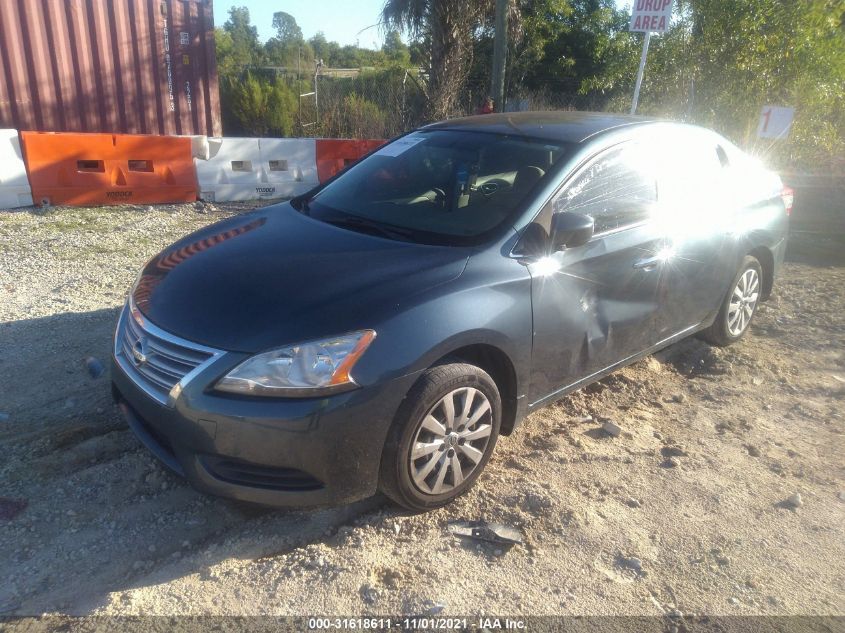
[(438, 187)]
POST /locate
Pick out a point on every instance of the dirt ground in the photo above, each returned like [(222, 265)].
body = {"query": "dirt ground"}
[(686, 511)]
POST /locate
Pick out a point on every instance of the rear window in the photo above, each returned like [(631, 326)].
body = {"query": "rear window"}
[(692, 172), (445, 187)]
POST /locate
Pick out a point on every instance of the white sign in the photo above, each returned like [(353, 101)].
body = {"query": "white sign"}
[(401, 145), (651, 16), (775, 122)]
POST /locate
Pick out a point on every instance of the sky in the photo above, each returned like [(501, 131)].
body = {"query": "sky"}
[(340, 20)]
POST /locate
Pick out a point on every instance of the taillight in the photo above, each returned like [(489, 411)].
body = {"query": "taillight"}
[(788, 197)]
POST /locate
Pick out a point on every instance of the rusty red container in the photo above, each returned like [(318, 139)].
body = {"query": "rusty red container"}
[(117, 66)]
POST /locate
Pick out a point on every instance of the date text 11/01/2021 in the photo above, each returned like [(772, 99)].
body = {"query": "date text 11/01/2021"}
[(417, 624)]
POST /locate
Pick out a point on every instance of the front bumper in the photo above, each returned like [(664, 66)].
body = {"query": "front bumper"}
[(277, 452)]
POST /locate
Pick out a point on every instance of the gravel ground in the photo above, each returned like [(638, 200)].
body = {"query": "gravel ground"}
[(693, 508)]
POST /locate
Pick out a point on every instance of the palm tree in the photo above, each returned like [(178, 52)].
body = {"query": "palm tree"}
[(447, 27)]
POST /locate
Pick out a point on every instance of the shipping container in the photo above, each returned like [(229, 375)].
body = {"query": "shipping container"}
[(119, 66)]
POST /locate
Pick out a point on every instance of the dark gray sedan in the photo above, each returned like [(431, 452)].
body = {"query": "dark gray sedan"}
[(382, 331)]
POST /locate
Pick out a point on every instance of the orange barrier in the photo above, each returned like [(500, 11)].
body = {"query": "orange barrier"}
[(333, 155), (92, 169)]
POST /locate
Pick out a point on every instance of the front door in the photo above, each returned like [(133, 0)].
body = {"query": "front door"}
[(598, 304)]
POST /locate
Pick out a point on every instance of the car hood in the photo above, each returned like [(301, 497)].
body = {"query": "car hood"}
[(275, 276)]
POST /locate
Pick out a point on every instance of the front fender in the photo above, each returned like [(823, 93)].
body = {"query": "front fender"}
[(490, 304)]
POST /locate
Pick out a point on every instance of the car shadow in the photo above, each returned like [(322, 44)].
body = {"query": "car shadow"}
[(94, 512)]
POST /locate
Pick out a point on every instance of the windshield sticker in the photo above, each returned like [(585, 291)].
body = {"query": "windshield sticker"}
[(400, 146)]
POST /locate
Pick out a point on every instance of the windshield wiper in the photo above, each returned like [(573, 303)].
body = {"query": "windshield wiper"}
[(365, 225)]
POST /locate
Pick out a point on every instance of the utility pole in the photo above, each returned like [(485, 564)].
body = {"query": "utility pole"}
[(500, 54)]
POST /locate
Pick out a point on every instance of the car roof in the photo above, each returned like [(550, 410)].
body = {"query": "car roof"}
[(568, 126)]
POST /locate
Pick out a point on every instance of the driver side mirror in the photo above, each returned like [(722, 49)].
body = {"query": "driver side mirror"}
[(571, 229)]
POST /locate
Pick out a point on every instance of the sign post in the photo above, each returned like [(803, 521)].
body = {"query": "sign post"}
[(640, 73), (648, 16)]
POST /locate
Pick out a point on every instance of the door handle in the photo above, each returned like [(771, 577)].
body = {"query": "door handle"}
[(649, 264)]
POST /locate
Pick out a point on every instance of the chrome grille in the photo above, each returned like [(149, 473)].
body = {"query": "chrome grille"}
[(154, 359)]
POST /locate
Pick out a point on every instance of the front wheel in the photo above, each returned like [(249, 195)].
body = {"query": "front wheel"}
[(739, 307), (442, 437)]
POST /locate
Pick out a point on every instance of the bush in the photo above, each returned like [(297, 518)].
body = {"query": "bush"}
[(257, 106), (374, 104), (363, 118)]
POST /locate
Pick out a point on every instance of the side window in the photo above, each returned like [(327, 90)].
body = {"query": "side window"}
[(691, 175), (617, 189)]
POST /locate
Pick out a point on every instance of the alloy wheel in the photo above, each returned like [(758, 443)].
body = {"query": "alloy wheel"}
[(743, 302), (451, 441)]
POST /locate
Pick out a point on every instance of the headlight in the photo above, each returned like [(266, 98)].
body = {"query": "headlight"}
[(304, 370)]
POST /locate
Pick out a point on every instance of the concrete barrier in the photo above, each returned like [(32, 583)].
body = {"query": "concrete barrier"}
[(257, 168), (14, 184), (232, 171), (289, 165), (53, 168), (336, 154), (93, 169)]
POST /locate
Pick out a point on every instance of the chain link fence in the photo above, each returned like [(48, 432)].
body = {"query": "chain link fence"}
[(549, 95), (373, 102), (386, 103), (366, 103)]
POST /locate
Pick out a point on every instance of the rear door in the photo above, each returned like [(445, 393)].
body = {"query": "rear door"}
[(696, 207), (598, 304)]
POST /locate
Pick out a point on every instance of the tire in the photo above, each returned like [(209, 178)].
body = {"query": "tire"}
[(430, 481), (744, 295)]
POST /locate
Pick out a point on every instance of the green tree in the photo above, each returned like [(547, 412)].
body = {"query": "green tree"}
[(583, 38), (243, 45), (418, 52), (226, 63), (291, 56), (287, 30), (447, 27), (559, 50), (287, 48), (395, 50), (353, 56), (320, 46)]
